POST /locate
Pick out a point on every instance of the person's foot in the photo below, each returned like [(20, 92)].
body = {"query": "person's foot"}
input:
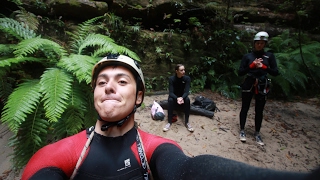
[(167, 127), (189, 127), (258, 139), (242, 136)]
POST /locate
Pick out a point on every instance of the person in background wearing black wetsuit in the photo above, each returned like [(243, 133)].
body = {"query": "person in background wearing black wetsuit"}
[(115, 148), (256, 65), (179, 86)]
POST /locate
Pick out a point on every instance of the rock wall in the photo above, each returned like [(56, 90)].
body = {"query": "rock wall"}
[(159, 13)]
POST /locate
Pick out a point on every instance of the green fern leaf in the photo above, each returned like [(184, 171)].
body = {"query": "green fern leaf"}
[(93, 40), (282, 83), (82, 98), (10, 61), (83, 30), (78, 97), (108, 49), (128, 52), (74, 120), (27, 18), (91, 113), (7, 49), (71, 121), (30, 46), (56, 88), (21, 102), (86, 27), (30, 138), (16, 29), (79, 65), (5, 87)]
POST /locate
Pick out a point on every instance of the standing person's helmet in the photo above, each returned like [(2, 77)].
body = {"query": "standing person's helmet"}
[(120, 60), (261, 36)]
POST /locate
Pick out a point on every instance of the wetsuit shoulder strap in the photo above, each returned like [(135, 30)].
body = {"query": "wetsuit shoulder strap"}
[(147, 174), (89, 131)]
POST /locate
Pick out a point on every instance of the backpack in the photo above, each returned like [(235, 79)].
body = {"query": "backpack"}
[(205, 103), (157, 112)]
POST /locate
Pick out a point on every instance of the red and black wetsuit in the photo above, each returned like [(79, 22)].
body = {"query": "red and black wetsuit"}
[(117, 158)]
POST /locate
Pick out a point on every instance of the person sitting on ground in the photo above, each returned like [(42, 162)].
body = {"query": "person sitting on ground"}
[(115, 148), (179, 86)]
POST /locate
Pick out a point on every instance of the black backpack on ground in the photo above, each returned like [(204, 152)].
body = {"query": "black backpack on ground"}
[(205, 103)]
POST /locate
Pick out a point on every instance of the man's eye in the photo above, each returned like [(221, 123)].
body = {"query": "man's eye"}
[(123, 82), (101, 82)]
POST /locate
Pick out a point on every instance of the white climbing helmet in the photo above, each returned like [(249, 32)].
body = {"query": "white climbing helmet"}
[(120, 60), (261, 36)]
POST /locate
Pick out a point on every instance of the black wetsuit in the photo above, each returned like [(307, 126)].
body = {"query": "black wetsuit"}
[(179, 87), (247, 87), (116, 158)]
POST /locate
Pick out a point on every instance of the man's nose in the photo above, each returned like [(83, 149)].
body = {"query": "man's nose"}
[(109, 87)]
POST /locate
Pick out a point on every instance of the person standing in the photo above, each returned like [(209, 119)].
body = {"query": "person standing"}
[(256, 65), (179, 86)]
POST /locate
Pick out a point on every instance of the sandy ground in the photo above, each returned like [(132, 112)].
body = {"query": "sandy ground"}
[(290, 131)]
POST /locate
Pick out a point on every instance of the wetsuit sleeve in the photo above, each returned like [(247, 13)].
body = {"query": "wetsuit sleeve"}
[(244, 66), (168, 162), (55, 161), (49, 173), (171, 88), (187, 87), (273, 67), (214, 167)]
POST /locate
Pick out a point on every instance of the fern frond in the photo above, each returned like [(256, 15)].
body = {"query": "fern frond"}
[(275, 44), (21, 102), (103, 51), (90, 117), (78, 97), (313, 48), (16, 29), (83, 30), (56, 88), (283, 84), (6, 49), (76, 43), (79, 65), (96, 40), (91, 113), (30, 46), (5, 87), (282, 57), (128, 52), (30, 138), (107, 49), (113, 21), (291, 77), (27, 18), (71, 122), (10, 61)]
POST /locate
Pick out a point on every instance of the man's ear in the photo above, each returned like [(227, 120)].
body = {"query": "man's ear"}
[(139, 97)]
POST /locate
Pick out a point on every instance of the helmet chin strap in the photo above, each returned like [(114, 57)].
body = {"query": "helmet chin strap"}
[(119, 123)]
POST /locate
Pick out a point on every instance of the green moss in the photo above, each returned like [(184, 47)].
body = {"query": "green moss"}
[(71, 2)]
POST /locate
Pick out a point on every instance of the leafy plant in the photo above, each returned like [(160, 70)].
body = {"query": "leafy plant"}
[(59, 102), (27, 18), (295, 74)]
